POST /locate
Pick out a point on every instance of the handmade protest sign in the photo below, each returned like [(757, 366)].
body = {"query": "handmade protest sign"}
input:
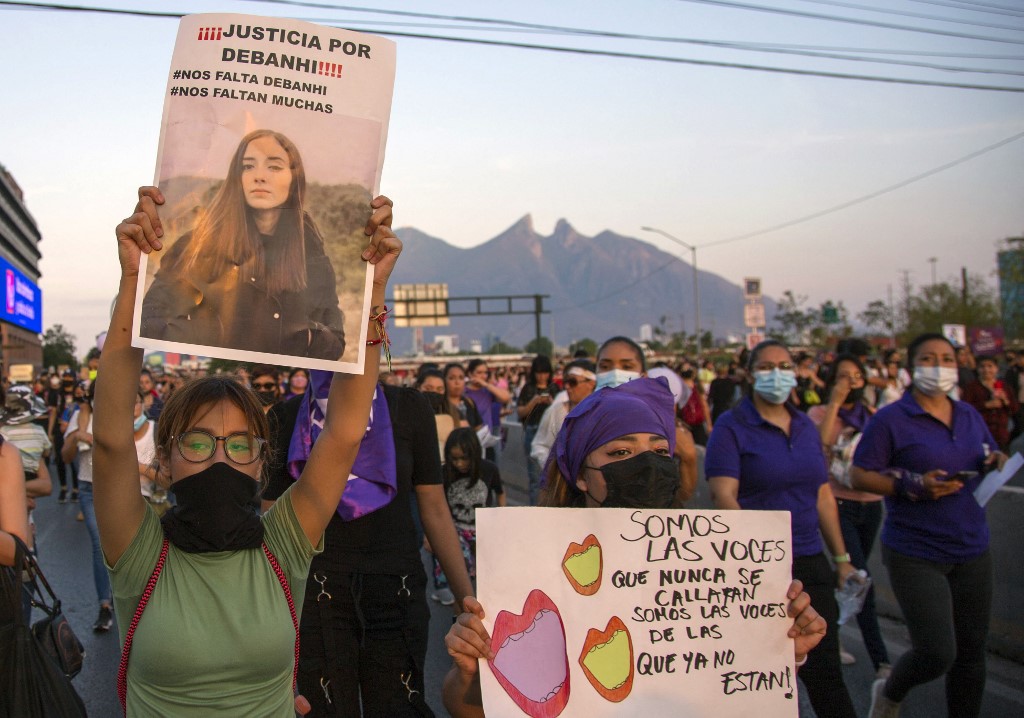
[(672, 612), (271, 149)]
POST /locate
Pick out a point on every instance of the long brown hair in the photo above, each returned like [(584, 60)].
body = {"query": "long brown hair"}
[(226, 236)]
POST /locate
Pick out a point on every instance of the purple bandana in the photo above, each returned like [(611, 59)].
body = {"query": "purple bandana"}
[(856, 417), (373, 482), (639, 406)]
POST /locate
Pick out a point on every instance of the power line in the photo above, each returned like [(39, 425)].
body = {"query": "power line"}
[(710, 63), (600, 33), (870, 196), (851, 21), (919, 16), (580, 51), (976, 6), (753, 47), (806, 218)]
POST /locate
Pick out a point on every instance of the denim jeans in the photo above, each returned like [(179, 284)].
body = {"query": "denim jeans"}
[(859, 521), (99, 572), (947, 608), (533, 469)]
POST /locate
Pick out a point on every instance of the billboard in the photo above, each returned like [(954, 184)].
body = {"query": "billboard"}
[(23, 305)]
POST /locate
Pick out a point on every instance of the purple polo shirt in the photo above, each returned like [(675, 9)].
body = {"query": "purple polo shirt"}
[(902, 435), (776, 472)]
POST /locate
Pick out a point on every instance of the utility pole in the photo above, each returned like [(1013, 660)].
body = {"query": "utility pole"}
[(933, 260), (696, 276)]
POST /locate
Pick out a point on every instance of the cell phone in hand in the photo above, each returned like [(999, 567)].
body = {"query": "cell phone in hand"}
[(962, 476)]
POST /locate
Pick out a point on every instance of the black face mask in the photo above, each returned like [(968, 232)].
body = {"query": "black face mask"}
[(644, 481), (216, 511), (267, 397)]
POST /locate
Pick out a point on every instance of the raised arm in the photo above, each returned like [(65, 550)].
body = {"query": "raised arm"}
[(119, 503), (316, 494)]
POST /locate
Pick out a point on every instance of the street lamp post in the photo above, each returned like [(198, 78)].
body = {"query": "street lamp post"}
[(696, 286)]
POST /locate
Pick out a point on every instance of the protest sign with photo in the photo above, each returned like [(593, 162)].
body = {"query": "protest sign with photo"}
[(597, 612), (271, 148)]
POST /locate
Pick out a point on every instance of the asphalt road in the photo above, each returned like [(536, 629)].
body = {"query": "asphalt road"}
[(65, 556)]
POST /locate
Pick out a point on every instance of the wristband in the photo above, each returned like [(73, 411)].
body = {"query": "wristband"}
[(801, 662), (908, 485), (377, 318), (842, 558)]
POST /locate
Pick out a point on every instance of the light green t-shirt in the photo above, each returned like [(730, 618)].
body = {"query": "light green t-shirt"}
[(216, 637)]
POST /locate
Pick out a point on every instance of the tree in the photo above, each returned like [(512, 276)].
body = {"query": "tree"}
[(878, 316), (793, 321), (975, 305), (59, 347), (542, 345), (500, 347), (586, 344)]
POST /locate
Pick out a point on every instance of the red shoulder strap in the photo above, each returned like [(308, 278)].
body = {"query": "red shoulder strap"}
[(291, 608), (129, 636), (122, 671)]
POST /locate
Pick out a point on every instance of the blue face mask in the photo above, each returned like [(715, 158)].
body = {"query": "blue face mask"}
[(774, 386), (614, 378)]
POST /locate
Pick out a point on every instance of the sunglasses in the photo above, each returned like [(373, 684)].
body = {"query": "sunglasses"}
[(197, 446), (572, 382), (264, 385)]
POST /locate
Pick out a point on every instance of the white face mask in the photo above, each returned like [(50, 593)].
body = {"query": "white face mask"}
[(935, 380), (615, 377)]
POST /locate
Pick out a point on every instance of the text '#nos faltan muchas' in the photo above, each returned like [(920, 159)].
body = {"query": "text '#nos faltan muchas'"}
[(281, 50), (692, 595)]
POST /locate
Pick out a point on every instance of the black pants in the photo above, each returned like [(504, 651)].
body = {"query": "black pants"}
[(859, 521), (822, 675), (62, 468), (947, 609), (364, 644)]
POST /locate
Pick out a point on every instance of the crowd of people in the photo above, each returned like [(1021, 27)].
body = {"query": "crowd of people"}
[(235, 494)]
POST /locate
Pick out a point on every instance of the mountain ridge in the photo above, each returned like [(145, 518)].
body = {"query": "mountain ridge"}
[(598, 286)]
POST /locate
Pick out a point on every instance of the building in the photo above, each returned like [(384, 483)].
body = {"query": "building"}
[(1011, 288), (21, 315)]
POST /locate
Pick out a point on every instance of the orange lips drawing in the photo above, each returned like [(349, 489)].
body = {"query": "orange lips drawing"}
[(607, 660), (583, 565), (530, 661)]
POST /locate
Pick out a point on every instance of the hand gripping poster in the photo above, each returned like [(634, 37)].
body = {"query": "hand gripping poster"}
[(611, 612), (271, 150)]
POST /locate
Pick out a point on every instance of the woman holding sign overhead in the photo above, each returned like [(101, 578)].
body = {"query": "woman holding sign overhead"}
[(764, 454), (614, 450), (925, 453), (253, 274), (206, 596)]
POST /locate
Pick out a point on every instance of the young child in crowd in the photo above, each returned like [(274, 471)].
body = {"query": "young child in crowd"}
[(470, 482)]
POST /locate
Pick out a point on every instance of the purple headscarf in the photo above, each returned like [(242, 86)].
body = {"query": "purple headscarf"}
[(639, 406), (373, 482)]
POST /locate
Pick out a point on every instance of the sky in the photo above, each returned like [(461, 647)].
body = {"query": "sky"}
[(481, 135)]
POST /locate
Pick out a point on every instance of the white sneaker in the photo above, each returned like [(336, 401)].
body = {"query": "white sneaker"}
[(444, 596), (882, 707)]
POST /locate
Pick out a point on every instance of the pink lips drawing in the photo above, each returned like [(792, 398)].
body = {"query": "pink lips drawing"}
[(530, 660)]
